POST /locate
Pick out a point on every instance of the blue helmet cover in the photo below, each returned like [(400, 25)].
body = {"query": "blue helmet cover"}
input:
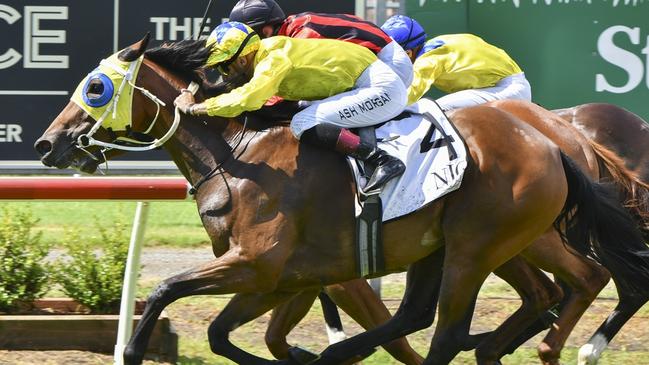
[(106, 93), (405, 30), (219, 32), (431, 45)]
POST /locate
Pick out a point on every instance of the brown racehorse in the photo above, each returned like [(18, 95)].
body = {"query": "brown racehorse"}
[(622, 131), (585, 279), (633, 192), (628, 135), (279, 225)]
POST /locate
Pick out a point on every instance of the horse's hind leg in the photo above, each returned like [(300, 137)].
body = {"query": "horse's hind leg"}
[(585, 279), (455, 306), (359, 301), (630, 302), (538, 294), (284, 318), (241, 309), (480, 240), (417, 311)]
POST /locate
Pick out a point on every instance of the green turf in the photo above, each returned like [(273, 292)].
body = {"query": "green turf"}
[(169, 223), (177, 224)]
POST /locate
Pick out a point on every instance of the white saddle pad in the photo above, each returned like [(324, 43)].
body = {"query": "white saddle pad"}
[(435, 159)]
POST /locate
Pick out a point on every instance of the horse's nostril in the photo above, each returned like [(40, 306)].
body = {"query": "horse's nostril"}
[(43, 146)]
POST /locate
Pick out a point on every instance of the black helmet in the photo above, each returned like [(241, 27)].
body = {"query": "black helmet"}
[(257, 13)]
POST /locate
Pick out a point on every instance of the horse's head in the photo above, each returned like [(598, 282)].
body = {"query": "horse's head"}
[(107, 106), (126, 104)]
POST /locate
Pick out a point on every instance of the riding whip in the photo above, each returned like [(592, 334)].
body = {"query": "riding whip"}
[(207, 11)]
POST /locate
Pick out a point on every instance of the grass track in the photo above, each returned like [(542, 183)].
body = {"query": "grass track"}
[(176, 224)]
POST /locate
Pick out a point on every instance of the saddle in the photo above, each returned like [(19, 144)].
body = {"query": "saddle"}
[(435, 157)]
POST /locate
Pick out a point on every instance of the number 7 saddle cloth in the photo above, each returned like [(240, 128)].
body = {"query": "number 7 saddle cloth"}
[(433, 152)]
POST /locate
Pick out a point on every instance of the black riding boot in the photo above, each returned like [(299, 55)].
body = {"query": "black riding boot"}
[(387, 168), (347, 143)]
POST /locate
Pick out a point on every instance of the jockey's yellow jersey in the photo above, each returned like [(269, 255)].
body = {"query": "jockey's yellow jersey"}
[(295, 69), (455, 62)]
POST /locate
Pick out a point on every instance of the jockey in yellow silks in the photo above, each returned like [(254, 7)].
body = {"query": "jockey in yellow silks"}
[(348, 86), (466, 67)]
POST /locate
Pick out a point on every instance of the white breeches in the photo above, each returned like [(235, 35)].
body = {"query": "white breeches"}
[(378, 96), (512, 87)]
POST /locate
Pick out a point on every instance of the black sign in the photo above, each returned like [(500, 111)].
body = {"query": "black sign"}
[(48, 46)]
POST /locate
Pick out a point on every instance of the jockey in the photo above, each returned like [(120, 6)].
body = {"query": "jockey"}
[(466, 67), (348, 85), (268, 19)]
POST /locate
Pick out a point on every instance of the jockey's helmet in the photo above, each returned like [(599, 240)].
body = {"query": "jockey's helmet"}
[(406, 31), (230, 41), (257, 13)]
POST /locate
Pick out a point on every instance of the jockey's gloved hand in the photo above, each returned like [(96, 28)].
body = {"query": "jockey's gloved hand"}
[(184, 102)]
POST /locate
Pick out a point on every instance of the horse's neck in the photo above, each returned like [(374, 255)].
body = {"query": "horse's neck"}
[(201, 145)]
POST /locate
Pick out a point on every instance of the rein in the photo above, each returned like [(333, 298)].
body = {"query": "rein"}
[(194, 189)]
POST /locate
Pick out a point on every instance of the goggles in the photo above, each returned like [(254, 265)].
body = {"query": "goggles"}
[(224, 67)]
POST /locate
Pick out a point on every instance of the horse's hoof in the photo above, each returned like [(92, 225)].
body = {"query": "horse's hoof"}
[(130, 357), (588, 355), (300, 356)]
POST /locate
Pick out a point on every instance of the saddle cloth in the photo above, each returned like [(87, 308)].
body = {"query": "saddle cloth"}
[(433, 152)]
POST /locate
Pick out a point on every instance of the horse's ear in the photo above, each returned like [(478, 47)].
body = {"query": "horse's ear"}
[(134, 51)]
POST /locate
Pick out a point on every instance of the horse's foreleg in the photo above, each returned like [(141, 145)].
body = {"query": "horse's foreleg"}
[(241, 309), (538, 294), (628, 305), (359, 301), (417, 311), (227, 274)]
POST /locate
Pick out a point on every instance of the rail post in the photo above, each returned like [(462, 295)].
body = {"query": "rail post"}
[(140, 189)]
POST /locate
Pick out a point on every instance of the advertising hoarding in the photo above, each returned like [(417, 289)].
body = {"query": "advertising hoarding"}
[(48, 46)]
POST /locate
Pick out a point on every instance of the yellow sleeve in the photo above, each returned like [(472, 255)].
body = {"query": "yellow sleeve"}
[(426, 70), (265, 82)]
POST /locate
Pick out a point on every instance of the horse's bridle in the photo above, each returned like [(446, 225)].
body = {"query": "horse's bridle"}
[(86, 140)]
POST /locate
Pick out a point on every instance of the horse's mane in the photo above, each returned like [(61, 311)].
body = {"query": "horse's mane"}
[(186, 58)]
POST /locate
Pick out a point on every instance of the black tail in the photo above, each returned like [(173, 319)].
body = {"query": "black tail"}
[(598, 226)]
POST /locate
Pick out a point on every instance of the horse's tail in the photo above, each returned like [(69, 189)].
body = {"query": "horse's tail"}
[(598, 226), (634, 191)]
